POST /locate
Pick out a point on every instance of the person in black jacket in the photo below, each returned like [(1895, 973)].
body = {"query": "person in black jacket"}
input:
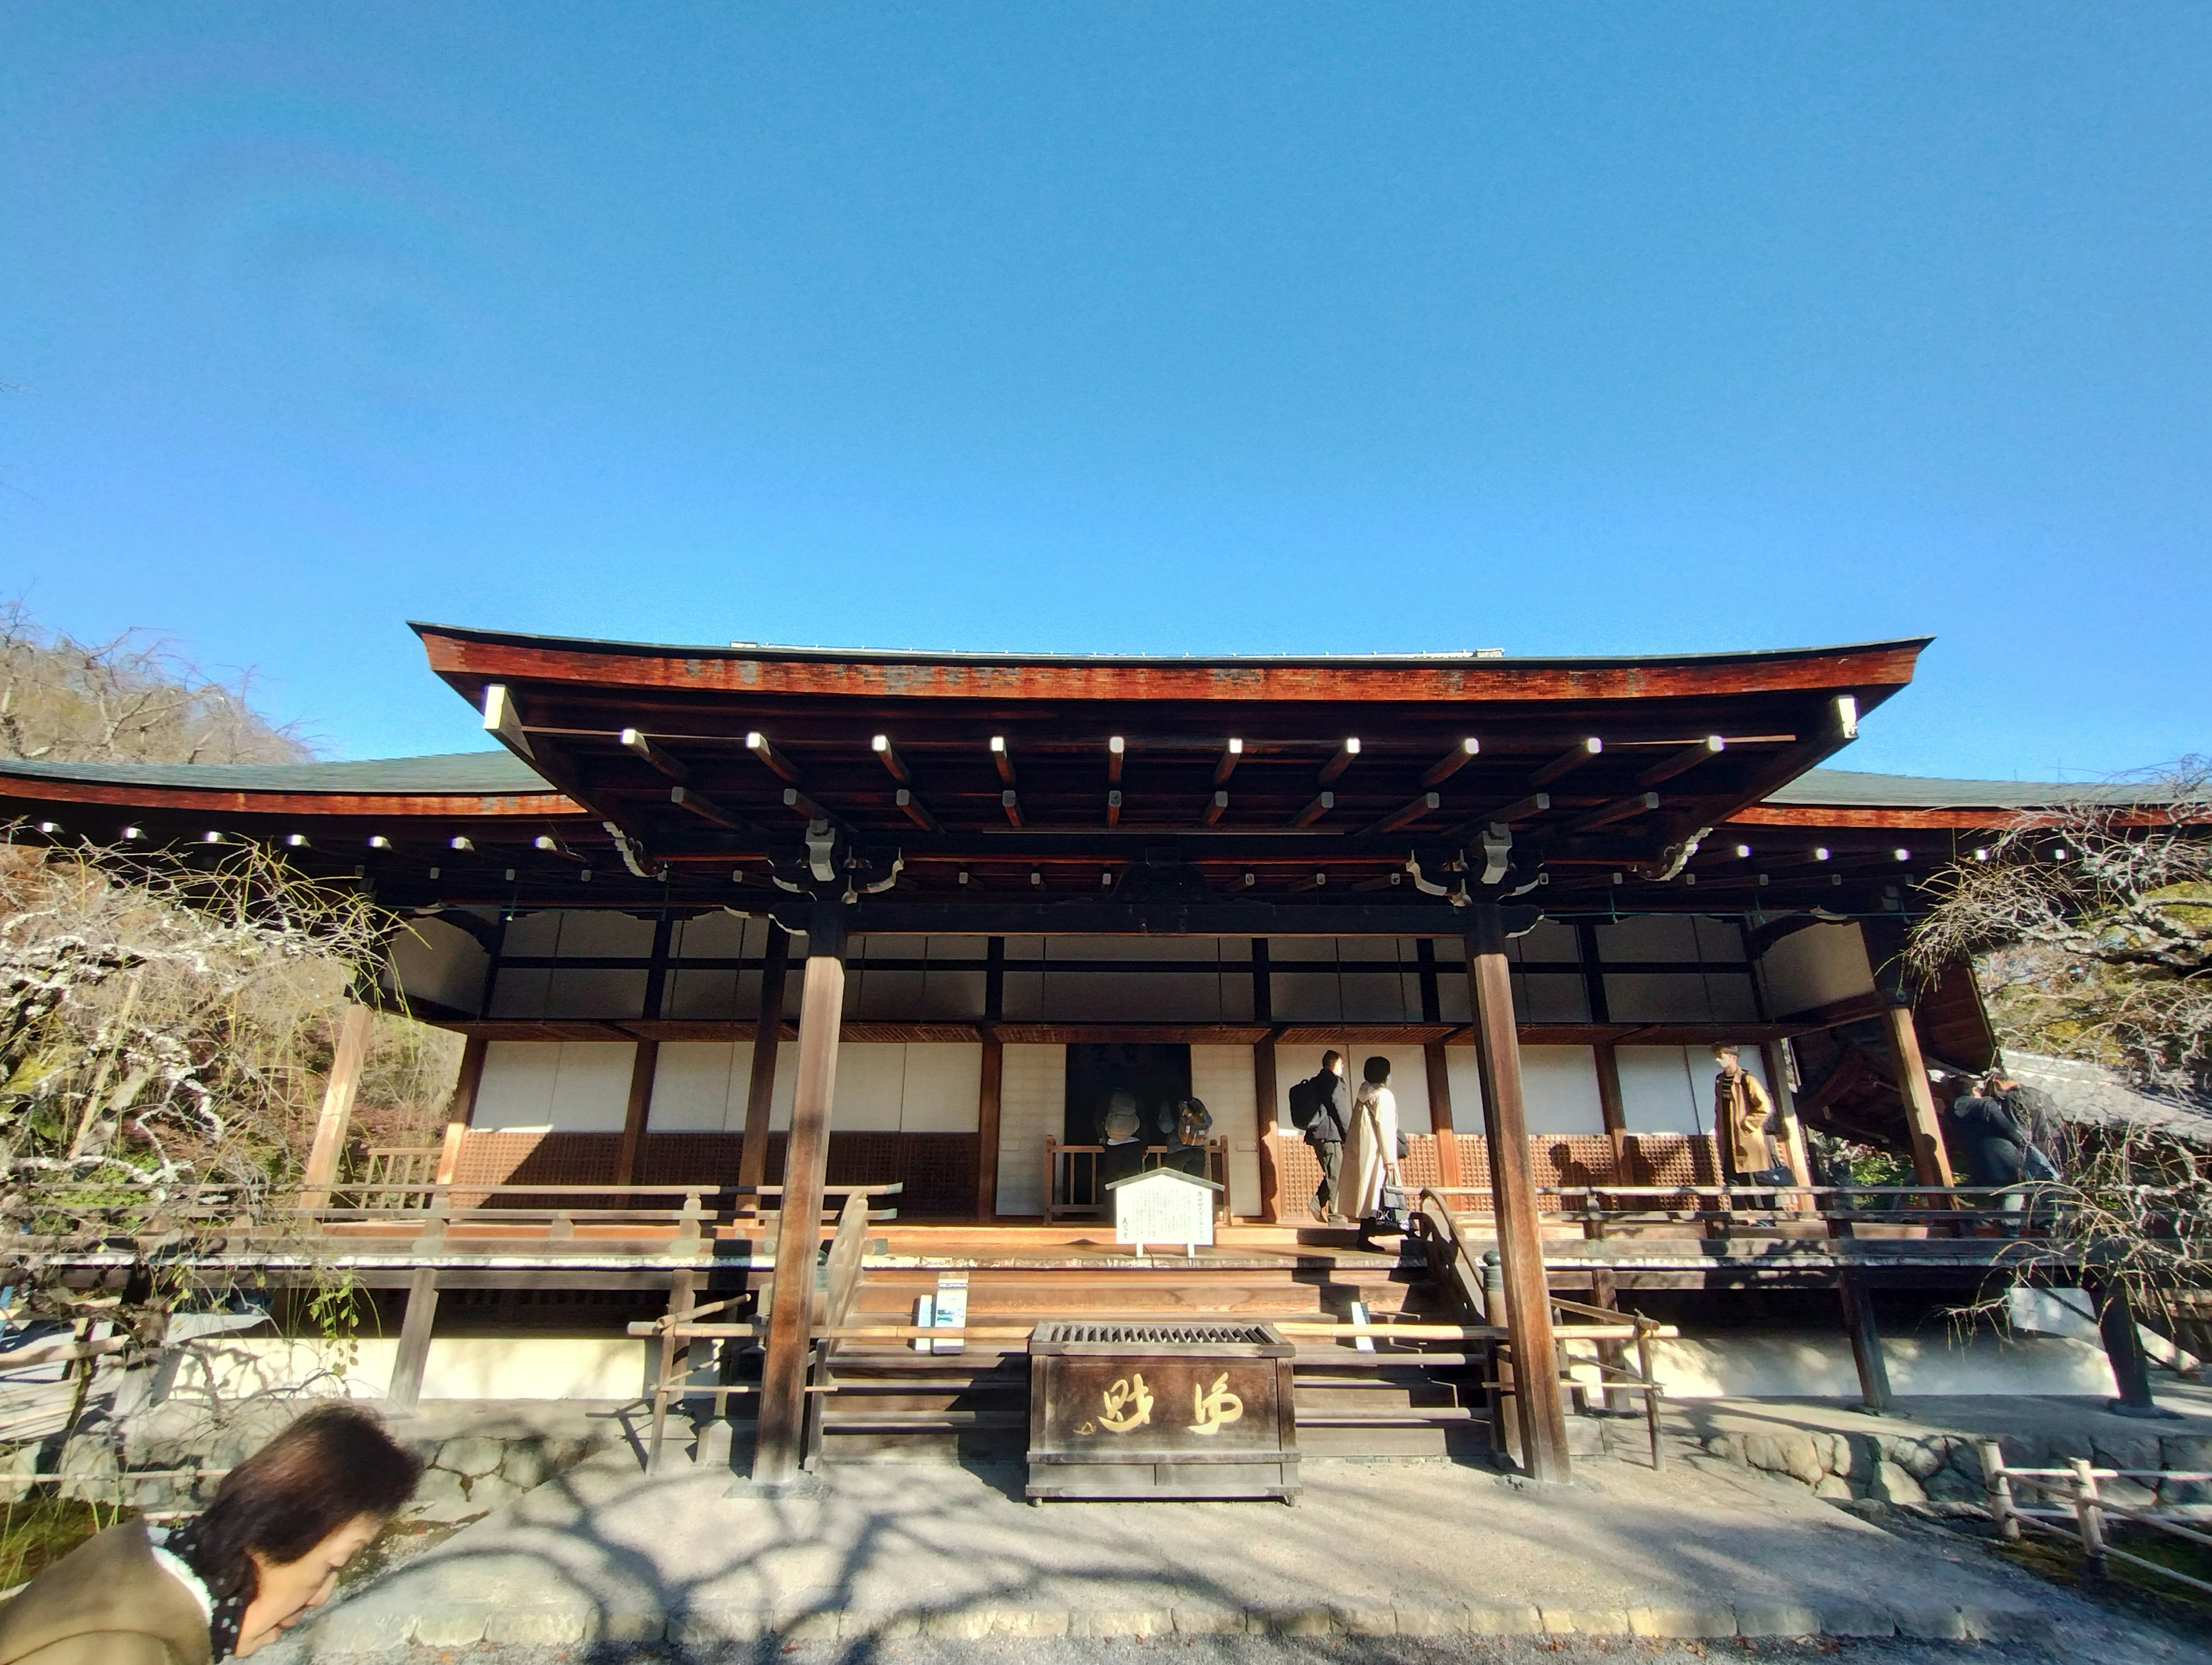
[(1996, 1151)]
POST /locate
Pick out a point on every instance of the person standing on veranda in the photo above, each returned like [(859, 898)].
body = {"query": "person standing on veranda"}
[(1743, 1116), (1374, 1142), (1326, 1120)]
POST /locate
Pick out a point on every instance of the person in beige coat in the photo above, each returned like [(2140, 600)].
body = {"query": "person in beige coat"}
[(267, 1552), (1372, 1148)]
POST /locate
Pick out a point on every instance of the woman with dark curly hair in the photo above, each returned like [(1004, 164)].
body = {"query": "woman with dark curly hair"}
[(268, 1550)]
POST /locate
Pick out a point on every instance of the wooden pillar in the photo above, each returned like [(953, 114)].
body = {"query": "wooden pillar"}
[(1931, 1163), (339, 1094), (641, 1068), (986, 1126), (1866, 1346), (1449, 1172), (2116, 1326), (414, 1355), (462, 1106), (1613, 1108), (1265, 1094), (1776, 1055), (768, 1035), (777, 1449), (1513, 1200)]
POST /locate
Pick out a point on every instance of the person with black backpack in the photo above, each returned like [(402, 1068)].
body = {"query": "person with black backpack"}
[(1321, 1112)]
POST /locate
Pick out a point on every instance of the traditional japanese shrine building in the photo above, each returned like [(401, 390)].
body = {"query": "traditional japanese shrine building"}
[(913, 915)]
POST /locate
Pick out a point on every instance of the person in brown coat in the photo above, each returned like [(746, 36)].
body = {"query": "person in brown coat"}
[(1743, 1116), (267, 1552)]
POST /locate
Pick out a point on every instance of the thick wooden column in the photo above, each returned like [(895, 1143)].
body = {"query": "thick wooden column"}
[(986, 1126), (642, 1066), (405, 1391), (776, 1452), (768, 1035), (1776, 1055), (1865, 1346), (1513, 1200), (1449, 1172), (1931, 1163), (2123, 1348), (339, 1094), (1266, 1096), (1612, 1107), (461, 1107)]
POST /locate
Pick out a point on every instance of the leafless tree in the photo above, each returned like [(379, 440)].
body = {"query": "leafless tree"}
[(133, 698), (2091, 924)]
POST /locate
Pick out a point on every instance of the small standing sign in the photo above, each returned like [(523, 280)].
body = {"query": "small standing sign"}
[(1164, 1205)]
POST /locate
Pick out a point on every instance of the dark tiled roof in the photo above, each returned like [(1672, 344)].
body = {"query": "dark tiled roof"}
[(1845, 789), (458, 772)]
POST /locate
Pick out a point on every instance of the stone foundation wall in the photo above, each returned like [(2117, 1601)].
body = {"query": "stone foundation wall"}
[(1946, 1468)]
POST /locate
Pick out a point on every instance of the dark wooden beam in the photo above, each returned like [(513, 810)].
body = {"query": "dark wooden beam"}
[(987, 1127), (697, 802), (1407, 813), (1115, 746), (768, 1034), (1687, 758), (1002, 759), (1451, 763), (1232, 754), (887, 754), (1011, 806), (912, 807), (778, 764), (638, 746), (1337, 764), (1216, 807), (1322, 803), (1567, 762), (795, 799), (1114, 807), (1642, 804)]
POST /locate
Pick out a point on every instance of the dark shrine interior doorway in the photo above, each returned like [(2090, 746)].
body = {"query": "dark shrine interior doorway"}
[(1157, 1072)]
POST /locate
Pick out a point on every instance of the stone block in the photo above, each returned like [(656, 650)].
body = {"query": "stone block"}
[(1931, 1622), (1857, 1618), (1893, 1483), (471, 1455), (1776, 1618), (1031, 1621), (1725, 1447), (1676, 1623), (1832, 1489), (547, 1624), (1920, 1457), (1431, 1621), (1801, 1458), (1367, 1622), (712, 1622), (1556, 1621), (1503, 1620), (1948, 1485), (439, 1486), (446, 1623), (878, 1626), (2007, 1624), (1212, 1621), (367, 1627), (639, 1624), (1763, 1451), (820, 1625), (490, 1490), (1121, 1621), (525, 1465), (1295, 1621)]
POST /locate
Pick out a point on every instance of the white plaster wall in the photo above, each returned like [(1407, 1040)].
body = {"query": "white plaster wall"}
[(1812, 967), (1409, 1076), (563, 1086), (228, 1368), (1815, 1364), (944, 1081), (882, 1086), (1223, 1078), (431, 960), (1559, 1085), (1670, 1089), (1032, 1107)]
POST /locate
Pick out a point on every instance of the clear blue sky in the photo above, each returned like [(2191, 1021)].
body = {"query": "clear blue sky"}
[(1165, 328)]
